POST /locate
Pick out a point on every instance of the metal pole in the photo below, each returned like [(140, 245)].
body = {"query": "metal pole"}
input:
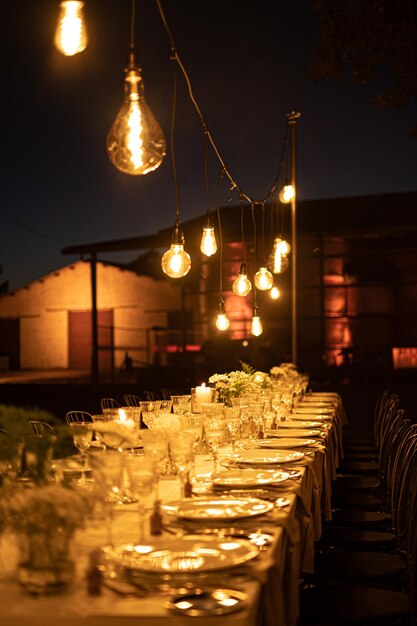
[(94, 324), (292, 118)]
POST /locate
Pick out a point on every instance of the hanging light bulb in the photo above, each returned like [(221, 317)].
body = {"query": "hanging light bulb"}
[(275, 293), (278, 261), (263, 279), (256, 325), (287, 193), (282, 245), (222, 321), (242, 285), (176, 262), (135, 142), (71, 33), (208, 245)]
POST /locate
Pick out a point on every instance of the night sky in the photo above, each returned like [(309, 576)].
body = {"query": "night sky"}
[(248, 68)]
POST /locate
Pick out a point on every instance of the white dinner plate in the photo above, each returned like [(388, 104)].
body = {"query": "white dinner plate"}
[(287, 443), (313, 410), (311, 415), (266, 457), (323, 406), (301, 423), (249, 478), (220, 508), (293, 432), (185, 554)]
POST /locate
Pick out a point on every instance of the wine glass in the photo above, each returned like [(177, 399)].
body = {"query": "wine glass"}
[(182, 453), (214, 431), (82, 435), (181, 404), (142, 482), (108, 476), (155, 448), (233, 423), (276, 405), (150, 410)]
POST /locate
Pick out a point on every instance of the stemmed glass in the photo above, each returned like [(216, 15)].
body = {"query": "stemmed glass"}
[(155, 448), (214, 431), (233, 423), (150, 410), (286, 399), (82, 434), (182, 454), (108, 475), (181, 404), (142, 481), (276, 405)]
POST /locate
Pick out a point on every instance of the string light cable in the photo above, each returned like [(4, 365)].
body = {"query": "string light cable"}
[(233, 182), (175, 262)]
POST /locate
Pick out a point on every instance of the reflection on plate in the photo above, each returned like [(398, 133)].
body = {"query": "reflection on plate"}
[(200, 602), (287, 443), (249, 478), (312, 410), (295, 432), (223, 507), (185, 554), (299, 423), (295, 416), (265, 457)]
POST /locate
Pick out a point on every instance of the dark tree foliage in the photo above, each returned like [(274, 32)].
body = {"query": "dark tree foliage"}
[(370, 39)]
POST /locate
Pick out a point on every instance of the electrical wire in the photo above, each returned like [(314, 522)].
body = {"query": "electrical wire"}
[(233, 182)]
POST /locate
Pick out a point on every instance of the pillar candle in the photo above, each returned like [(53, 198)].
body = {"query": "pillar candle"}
[(202, 394)]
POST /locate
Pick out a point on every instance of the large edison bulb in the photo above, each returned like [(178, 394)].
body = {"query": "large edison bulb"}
[(176, 262), (256, 324), (135, 142), (275, 293), (71, 33), (242, 285), (208, 244), (263, 279), (278, 261), (222, 321), (287, 193), (282, 245)]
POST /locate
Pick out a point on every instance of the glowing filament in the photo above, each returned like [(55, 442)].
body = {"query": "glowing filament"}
[(287, 193), (242, 285), (263, 279), (256, 324), (176, 262), (275, 293), (208, 244), (71, 34)]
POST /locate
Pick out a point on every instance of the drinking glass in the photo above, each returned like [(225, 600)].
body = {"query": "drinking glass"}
[(150, 410), (233, 423), (257, 412), (82, 434), (286, 399), (181, 448), (108, 476), (181, 404), (214, 431), (276, 405), (155, 448), (142, 481)]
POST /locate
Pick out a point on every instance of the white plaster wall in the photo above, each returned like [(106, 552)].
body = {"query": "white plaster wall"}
[(138, 303)]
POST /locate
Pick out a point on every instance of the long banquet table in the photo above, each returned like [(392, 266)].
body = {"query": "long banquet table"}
[(271, 580)]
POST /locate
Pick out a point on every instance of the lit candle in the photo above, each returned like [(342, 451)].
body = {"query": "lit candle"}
[(202, 394), (126, 421)]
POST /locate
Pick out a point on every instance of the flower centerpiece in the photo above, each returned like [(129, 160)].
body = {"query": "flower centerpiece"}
[(239, 383), (44, 520)]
